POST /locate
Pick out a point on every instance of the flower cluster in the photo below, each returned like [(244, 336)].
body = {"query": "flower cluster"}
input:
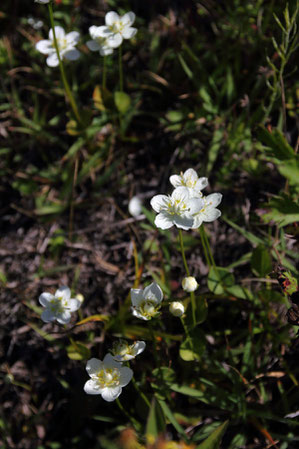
[(186, 207), (104, 39)]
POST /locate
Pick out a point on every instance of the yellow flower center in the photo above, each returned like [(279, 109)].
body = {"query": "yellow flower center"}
[(149, 308), (108, 377)]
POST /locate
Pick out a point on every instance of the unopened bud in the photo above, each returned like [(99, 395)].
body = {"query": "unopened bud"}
[(189, 284), (177, 308)]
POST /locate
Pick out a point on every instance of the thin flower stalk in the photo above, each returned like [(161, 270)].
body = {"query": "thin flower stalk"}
[(204, 246), (192, 296), (104, 74), (135, 423), (62, 71)]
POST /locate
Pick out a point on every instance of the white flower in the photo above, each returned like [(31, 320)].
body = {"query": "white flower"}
[(146, 303), (176, 209), (107, 377), (190, 180), (66, 45), (43, 2), (177, 308), (189, 284), (208, 212), (59, 306), (135, 205), (117, 28), (98, 42), (123, 352)]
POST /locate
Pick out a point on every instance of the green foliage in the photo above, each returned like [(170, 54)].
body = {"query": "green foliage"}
[(214, 440)]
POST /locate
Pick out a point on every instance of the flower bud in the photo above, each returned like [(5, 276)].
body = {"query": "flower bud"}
[(177, 308), (135, 206), (189, 284)]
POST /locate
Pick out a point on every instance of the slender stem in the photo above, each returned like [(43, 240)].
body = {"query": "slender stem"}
[(104, 75), (61, 67), (208, 246), (140, 392), (120, 66), (127, 414), (192, 296), (203, 242), (183, 252), (71, 219)]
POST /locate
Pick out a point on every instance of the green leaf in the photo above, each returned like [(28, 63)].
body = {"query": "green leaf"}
[(248, 235), (122, 101), (278, 146), (283, 210), (193, 346), (97, 317), (213, 441), (218, 279), (155, 422), (261, 263), (78, 351), (168, 413)]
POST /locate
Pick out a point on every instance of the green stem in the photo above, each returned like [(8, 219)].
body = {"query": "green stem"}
[(104, 75), (183, 252), (127, 414), (192, 296), (203, 242), (208, 246), (120, 66), (61, 67)]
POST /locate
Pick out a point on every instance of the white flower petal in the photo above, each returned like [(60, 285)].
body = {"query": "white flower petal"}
[(195, 204), (109, 361), (129, 32), (175, 180), (163, 221), (102, 31), (159, 202), (73, 38), (93, 45), (64, 317), (59, 33), (110, 394), (183, 222), (63, 292), (72, 55), (180, 193), (74, 304), (128, 19), (47, 316), (191, 175), (153, 292), (214, 199), (211, 214), (52, 60), (89, 388), (198, 219), (139, 315), (105, 50), (45, 299), (139, 347), (201, 183), (126, 375), (114, 40), (111, 17), (45, 46), (136, 296), (93, 366)]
